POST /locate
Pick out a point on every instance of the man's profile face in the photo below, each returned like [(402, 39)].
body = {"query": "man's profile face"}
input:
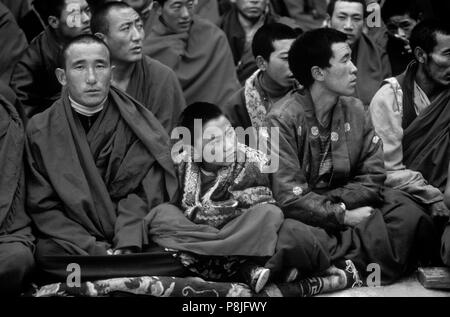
[(437, 64), (278, 65), (75, 19), (87, 73), (401, 26), (177, 14), (125, 35), (348, 17), (251, 9), (340, 77)]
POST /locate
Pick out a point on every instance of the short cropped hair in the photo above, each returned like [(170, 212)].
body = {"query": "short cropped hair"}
[(80, 39), (262, 44), (199, 110), (99, 19), (313, 48), (332, 5), (400, 7), (50, 7), (424, 34)]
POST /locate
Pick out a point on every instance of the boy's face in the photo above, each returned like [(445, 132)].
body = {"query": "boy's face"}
[(217, 142)]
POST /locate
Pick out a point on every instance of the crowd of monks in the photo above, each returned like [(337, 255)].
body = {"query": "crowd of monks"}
[(91, 92)]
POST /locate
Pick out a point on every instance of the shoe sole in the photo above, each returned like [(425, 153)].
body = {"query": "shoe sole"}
[(262, 280)]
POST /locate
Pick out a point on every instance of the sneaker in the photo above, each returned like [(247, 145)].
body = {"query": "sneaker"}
[(352, 273), (259, 277)]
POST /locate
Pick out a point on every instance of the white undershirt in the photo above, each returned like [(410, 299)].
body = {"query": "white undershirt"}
[(421, 101), (86, 111)]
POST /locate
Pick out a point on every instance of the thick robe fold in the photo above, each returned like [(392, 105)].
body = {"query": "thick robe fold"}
[(88, 193), (244, 60), (373, 67), (390, 236), (14, 43), (157, 88), (201, 58), (18, 8), (426, 140), (16, 239), (33, 79)]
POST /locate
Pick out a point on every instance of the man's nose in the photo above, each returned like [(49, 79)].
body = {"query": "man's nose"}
[(85, 17), (353, 69), (91, 76), (184, 12), (401, 33), (136, 34), (348, 23)]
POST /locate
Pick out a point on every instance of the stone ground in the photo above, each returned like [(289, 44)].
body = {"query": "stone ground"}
[(408, 287)]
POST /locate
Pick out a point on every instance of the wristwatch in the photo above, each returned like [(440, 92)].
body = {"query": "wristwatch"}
[(343, 206)]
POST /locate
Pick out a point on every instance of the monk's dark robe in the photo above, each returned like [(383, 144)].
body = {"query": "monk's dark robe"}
[(236, 111), (201, 59), (33, 23), (33, 79), (156, 87), (18, 8), (13, 43), (243, 58), (88, 192), (426, 137), (16, 239), (395, 236), (373, 66)]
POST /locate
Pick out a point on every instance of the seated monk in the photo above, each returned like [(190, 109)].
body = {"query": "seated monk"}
[(148, 81), (270, 83), (240, 25), (195, 49), (228, 221), (331, 170), (445, 251), (33, 78), (411, 113), (372, 61), (98, 161), (16, 239)]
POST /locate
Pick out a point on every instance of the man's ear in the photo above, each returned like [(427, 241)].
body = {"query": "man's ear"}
[(327, 21), (102, 37), (261, 63), (317, 73), (113, 72), (61, 76), (420, 55), (53, 22), (157, 7)]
